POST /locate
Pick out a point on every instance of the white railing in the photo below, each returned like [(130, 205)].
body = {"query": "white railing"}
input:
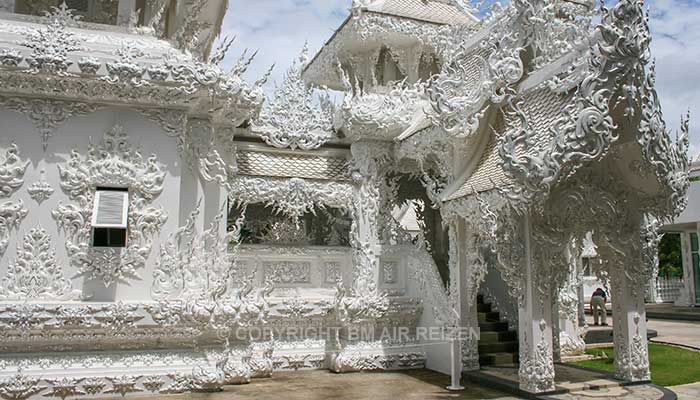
[(668, 289)]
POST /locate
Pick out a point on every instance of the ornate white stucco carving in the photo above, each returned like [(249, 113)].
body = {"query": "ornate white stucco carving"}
[(111, 163), (293, 197), (381, 115), (291, 119), (192, 264), (536, 370), (52, 43), (47, 115), (40, 190), (11, 216), (34, 275), (11, 171)]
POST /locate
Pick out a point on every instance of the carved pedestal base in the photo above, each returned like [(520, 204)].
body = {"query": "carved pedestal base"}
[(375, 356)]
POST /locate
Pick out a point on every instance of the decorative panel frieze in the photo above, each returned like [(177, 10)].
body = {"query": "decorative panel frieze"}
[(113, 163), (390, 272), (376, 357), (46, 115), (332, 272), (287, 272), (293, 197), (34, 275)]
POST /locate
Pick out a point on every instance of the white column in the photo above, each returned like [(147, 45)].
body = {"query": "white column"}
[(367, 156), (536, 372), (124, 11), (686, 297), (629, 324), (463, 241), (570, 334)]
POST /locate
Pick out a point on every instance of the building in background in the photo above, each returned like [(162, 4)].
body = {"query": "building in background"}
[(688, 226)]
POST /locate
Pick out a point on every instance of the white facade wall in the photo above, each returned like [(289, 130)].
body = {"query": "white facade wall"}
[(76, 133)]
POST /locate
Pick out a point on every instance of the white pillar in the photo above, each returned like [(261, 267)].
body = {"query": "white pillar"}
[(570, 334), (629, 324), (124, 11), (462, 240), (536, 372), (687, 293), (367, 158)]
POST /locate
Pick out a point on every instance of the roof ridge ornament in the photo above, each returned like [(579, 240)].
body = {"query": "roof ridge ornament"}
[(292, 119), (52, 43)]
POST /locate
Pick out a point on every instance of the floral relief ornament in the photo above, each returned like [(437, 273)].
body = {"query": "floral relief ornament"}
[(40, 190), (112, 163)]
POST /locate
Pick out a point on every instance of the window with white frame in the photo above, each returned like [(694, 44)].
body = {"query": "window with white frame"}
[(110, 217)]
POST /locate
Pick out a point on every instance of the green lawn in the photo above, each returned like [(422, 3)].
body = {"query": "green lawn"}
[(669, 365)]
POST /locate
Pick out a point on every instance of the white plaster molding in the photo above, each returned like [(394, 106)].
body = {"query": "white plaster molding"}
[(112, 162)]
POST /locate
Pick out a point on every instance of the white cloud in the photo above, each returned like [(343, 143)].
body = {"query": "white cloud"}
[(279, 28), (676, 47)]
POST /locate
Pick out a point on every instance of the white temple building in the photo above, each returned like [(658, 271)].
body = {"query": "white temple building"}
[(166, 227), (688, 225)]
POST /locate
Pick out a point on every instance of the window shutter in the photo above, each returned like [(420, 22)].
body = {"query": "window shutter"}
[(111, 209)]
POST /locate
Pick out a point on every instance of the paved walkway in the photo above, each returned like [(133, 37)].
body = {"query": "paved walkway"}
[(403, 385), (687, 392), (684, 333), (323, 385)]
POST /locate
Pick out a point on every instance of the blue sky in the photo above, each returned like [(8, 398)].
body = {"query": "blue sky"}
[(279, 28)]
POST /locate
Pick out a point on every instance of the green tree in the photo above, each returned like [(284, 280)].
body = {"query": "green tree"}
[(670, 259)]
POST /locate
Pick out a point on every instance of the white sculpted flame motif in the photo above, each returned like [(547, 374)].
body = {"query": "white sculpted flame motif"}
[(292, 119), (111, 163), (34, 274)]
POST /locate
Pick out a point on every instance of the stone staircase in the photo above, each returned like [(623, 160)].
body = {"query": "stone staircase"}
[(498, 345)]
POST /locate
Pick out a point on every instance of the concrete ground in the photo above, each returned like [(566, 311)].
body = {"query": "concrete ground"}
[(684, 333), (323, 385), (404, 385), (687, 392)]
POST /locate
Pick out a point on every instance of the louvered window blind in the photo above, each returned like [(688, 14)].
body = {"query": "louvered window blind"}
[(111, 209)]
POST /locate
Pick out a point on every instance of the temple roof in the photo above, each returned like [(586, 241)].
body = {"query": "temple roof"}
[(435, 11), (542, 106), (382, 23)]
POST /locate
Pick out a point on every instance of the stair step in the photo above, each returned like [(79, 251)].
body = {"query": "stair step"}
[(497, 336), (483, 307), (493, 326), (492, 316), (497, 358), (498, 347)]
